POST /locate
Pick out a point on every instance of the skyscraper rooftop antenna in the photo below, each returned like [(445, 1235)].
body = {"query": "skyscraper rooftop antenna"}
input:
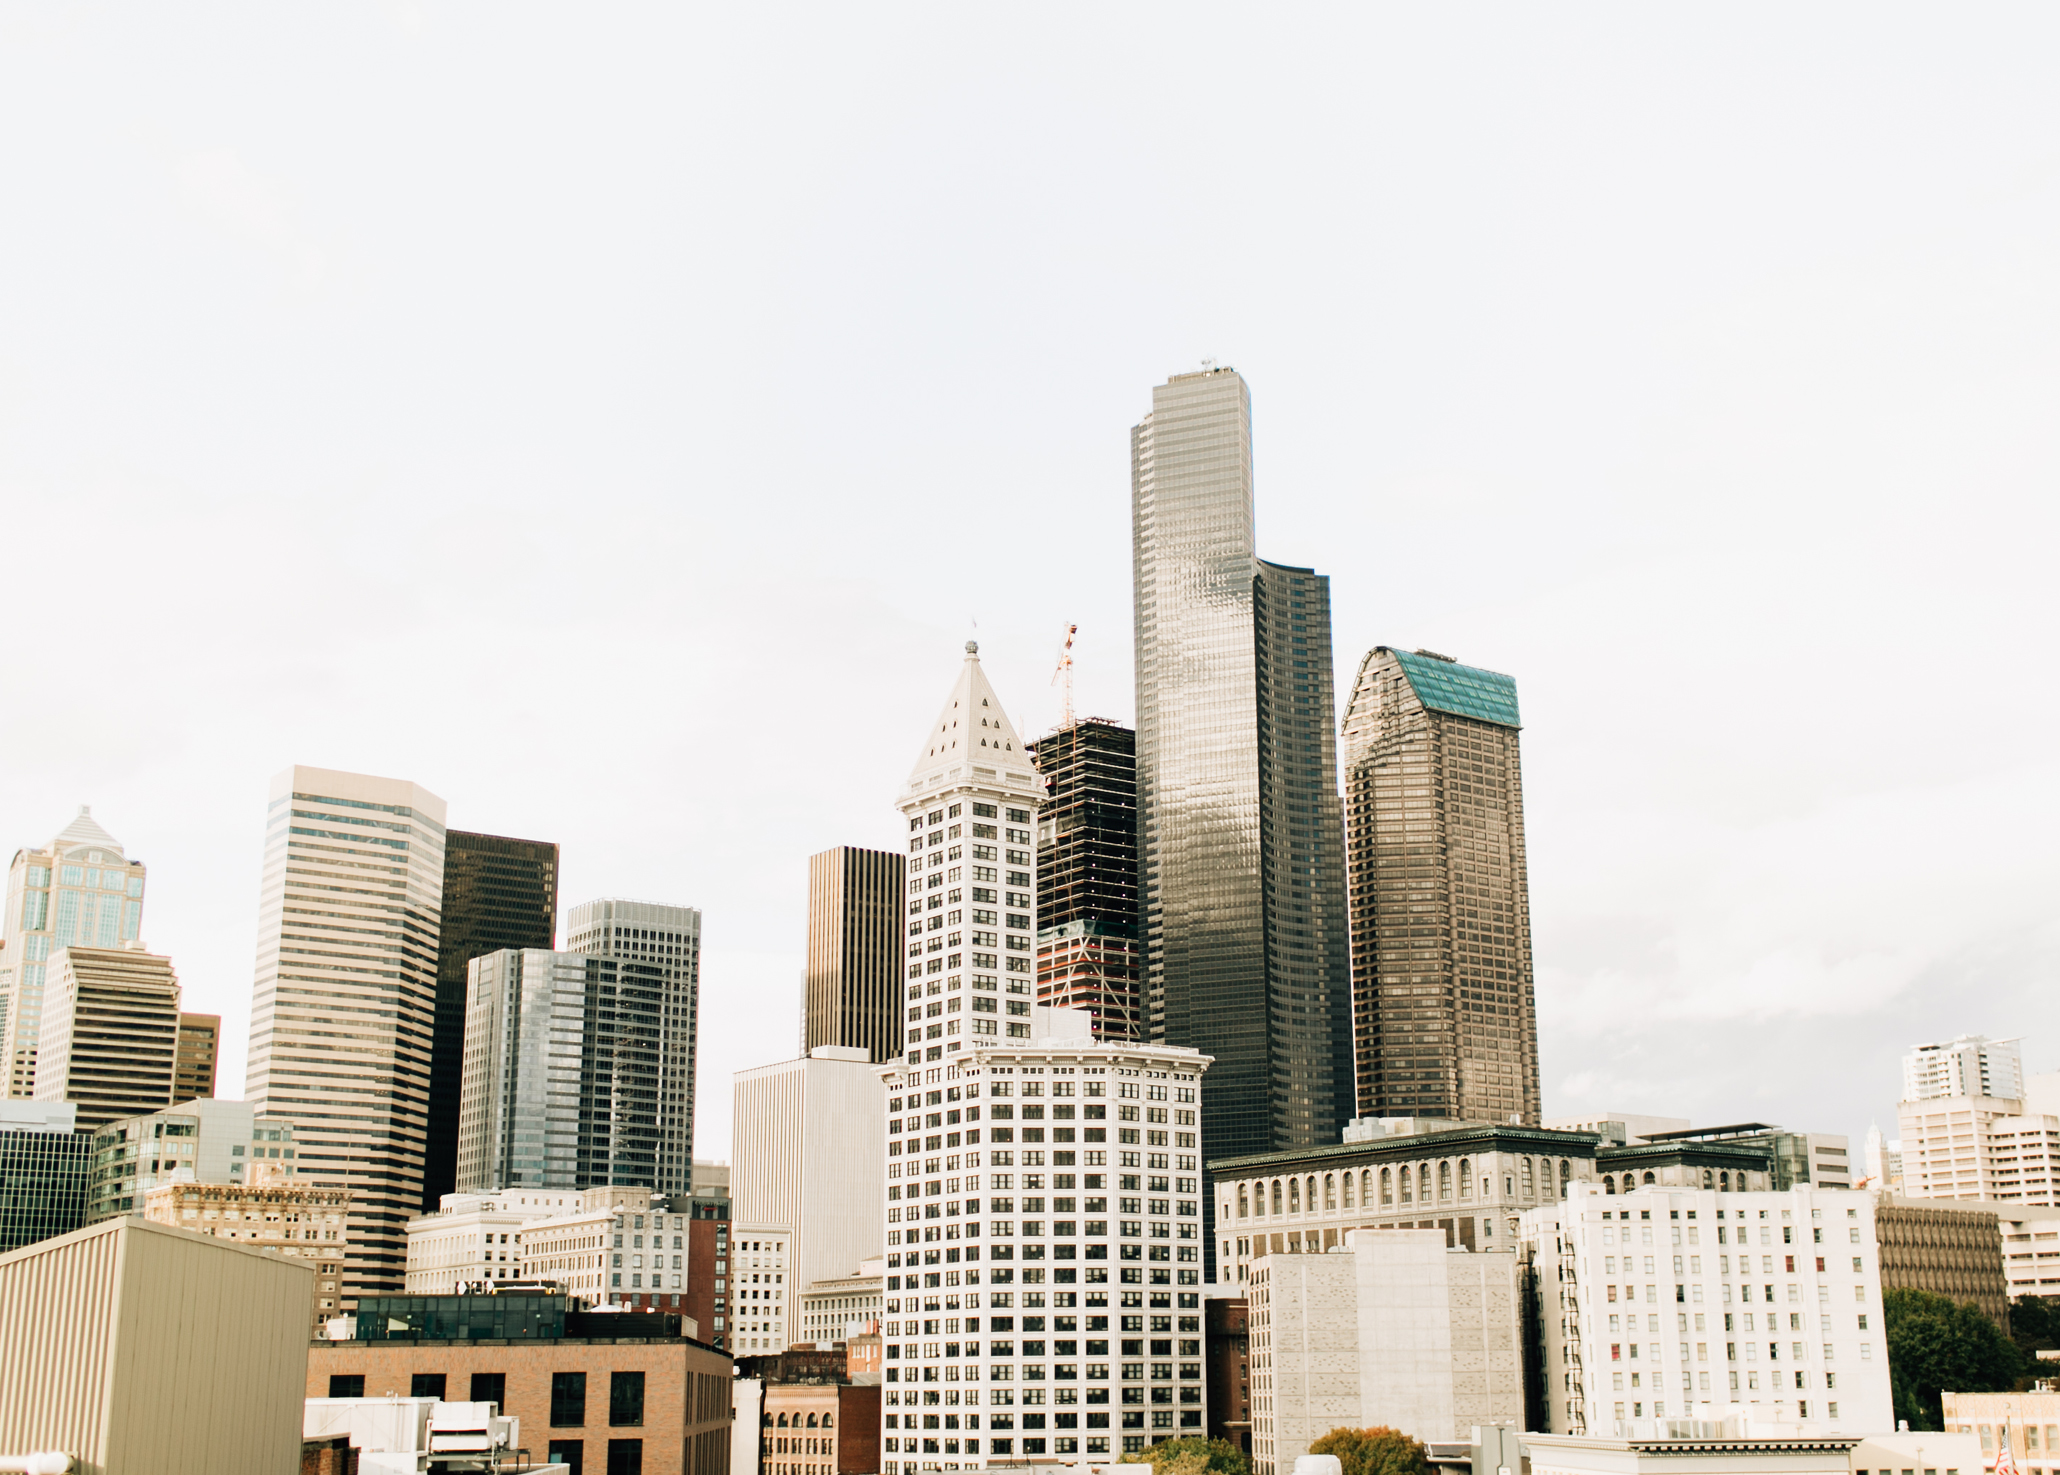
[(1065, 672)]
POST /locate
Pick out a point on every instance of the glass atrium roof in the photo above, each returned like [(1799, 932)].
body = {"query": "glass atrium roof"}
[(1466, 691)]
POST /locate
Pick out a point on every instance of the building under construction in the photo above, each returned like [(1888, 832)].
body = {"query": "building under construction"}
[(1089, 952)]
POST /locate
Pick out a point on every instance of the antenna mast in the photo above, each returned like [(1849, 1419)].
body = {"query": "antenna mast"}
[(1065, 671)]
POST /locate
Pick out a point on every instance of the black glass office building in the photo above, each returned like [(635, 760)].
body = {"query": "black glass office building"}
[(1239, 824), (497, 893), (1090, 950), (43, 1181)]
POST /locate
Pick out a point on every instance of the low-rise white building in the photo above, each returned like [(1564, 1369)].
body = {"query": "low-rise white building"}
[(1393, 1328), (597, 1248), (1674, 1302), (476, 1237), (761, 1257), (849, 1305)]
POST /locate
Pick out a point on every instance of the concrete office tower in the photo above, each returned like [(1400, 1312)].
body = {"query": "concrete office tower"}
[(808, 1140), (974, 1144), (1445, 1019), (1767, 1301), (1972, 1065), (1392, 1329), (191, 1141), (1089, 953), (343, 1009), (45, 1164), (497, 893), (110, 1033), (854, 951), (970, 802), (78, 889), (1242, 879), (657, 952), (200, 1043)]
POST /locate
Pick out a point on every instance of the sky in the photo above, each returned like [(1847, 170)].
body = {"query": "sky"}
[(616, 420)]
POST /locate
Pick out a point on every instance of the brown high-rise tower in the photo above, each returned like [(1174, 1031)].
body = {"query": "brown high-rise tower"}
[(854, 951), (1444, 1021)]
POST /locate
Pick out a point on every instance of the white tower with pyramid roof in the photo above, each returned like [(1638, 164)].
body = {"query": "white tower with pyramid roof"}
[(970, 802), (81, 889)]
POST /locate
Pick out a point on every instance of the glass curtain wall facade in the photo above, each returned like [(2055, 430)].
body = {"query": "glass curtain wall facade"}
[(528, 1050), (1231, 966), (854, 952), (343, 1009), (1445, 1018), (43, 1179), (642, 1029), (497, 893), (80, 890), (1089, 951)]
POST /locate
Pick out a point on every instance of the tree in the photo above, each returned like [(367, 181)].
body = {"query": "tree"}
[(2035, 1326), (1192, 1456), (1376, 1451), (1935, 1344)]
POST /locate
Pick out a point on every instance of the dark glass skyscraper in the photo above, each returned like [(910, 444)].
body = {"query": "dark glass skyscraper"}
[(1089, 952), (497, 893), (853, 991), (1445, 1017), (1238, 813)]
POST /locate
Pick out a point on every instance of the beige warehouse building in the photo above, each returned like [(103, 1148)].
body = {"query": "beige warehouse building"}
[(133, 1346)]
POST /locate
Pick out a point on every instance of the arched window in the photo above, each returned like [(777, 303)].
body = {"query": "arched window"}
[(765, 1420), (1423, 1184), (811, 1421), (1650, 1179), (1709, 1179), (1445, 1183), (1408, 1185), (1609, 1184), (1294, 1195), (1244, 1203), (1366, 1189), (1276, 1198), (1465, 1178), (1523, 1166), (1723, 1182), (1566, 1176), (826, 1422), (1330, 1192), (1309, 1197), (1387, 1186), (1347, 1185), (783, 1421)]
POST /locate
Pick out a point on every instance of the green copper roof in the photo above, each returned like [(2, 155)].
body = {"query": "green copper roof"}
[(1465, 691)]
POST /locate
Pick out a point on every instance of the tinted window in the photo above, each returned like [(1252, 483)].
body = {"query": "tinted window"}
[(346, 1385), (626, 1456), (426, 1385), (568, 1400), (570, 1453), (490, 1388), (625, 1406)]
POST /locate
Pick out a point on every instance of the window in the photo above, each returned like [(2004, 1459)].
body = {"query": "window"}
[(490, 1388), (426, 1385), (626, 1456), (346, 1385), (568, 1400), (625, 1407), (570, 1453)]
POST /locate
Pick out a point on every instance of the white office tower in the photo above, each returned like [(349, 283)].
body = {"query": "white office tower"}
[(1044, 1249), (78, 890), (1668, 1303), (804, 1160), (970, 802), (658, 982), (1972, 1065), (1973, 1125)]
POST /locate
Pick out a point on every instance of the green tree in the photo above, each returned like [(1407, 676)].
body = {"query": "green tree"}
[(2034, 1326), (1936, 1344), (1376, 1451), (1192, 1456)]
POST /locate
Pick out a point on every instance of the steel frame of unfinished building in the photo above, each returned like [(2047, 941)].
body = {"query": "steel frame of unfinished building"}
[(1089, 952)]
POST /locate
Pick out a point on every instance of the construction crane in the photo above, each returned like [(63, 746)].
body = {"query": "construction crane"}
[(1065, 671)]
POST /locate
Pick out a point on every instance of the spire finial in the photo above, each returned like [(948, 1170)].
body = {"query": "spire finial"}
[(972, 647)]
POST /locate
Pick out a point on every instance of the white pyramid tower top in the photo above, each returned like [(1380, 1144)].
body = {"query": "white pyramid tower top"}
[(972, 741), (85, 830)]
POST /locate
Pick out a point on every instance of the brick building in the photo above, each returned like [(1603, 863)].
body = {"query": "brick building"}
[(621, 1406), (819, 1429), (1229, 1370)]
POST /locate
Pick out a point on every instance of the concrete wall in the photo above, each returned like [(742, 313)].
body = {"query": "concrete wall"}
[(136, 1346)]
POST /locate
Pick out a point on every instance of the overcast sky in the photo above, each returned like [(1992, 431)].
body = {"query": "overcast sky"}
[(614, 420)]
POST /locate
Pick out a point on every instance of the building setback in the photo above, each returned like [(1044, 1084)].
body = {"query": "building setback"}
[(79, 890), (1445, 1019), (1238, 814), (647, 1087), (110, 1033), (343, 1008), (200, 1041), (854, 951), (1090, 954), (497, 893)]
